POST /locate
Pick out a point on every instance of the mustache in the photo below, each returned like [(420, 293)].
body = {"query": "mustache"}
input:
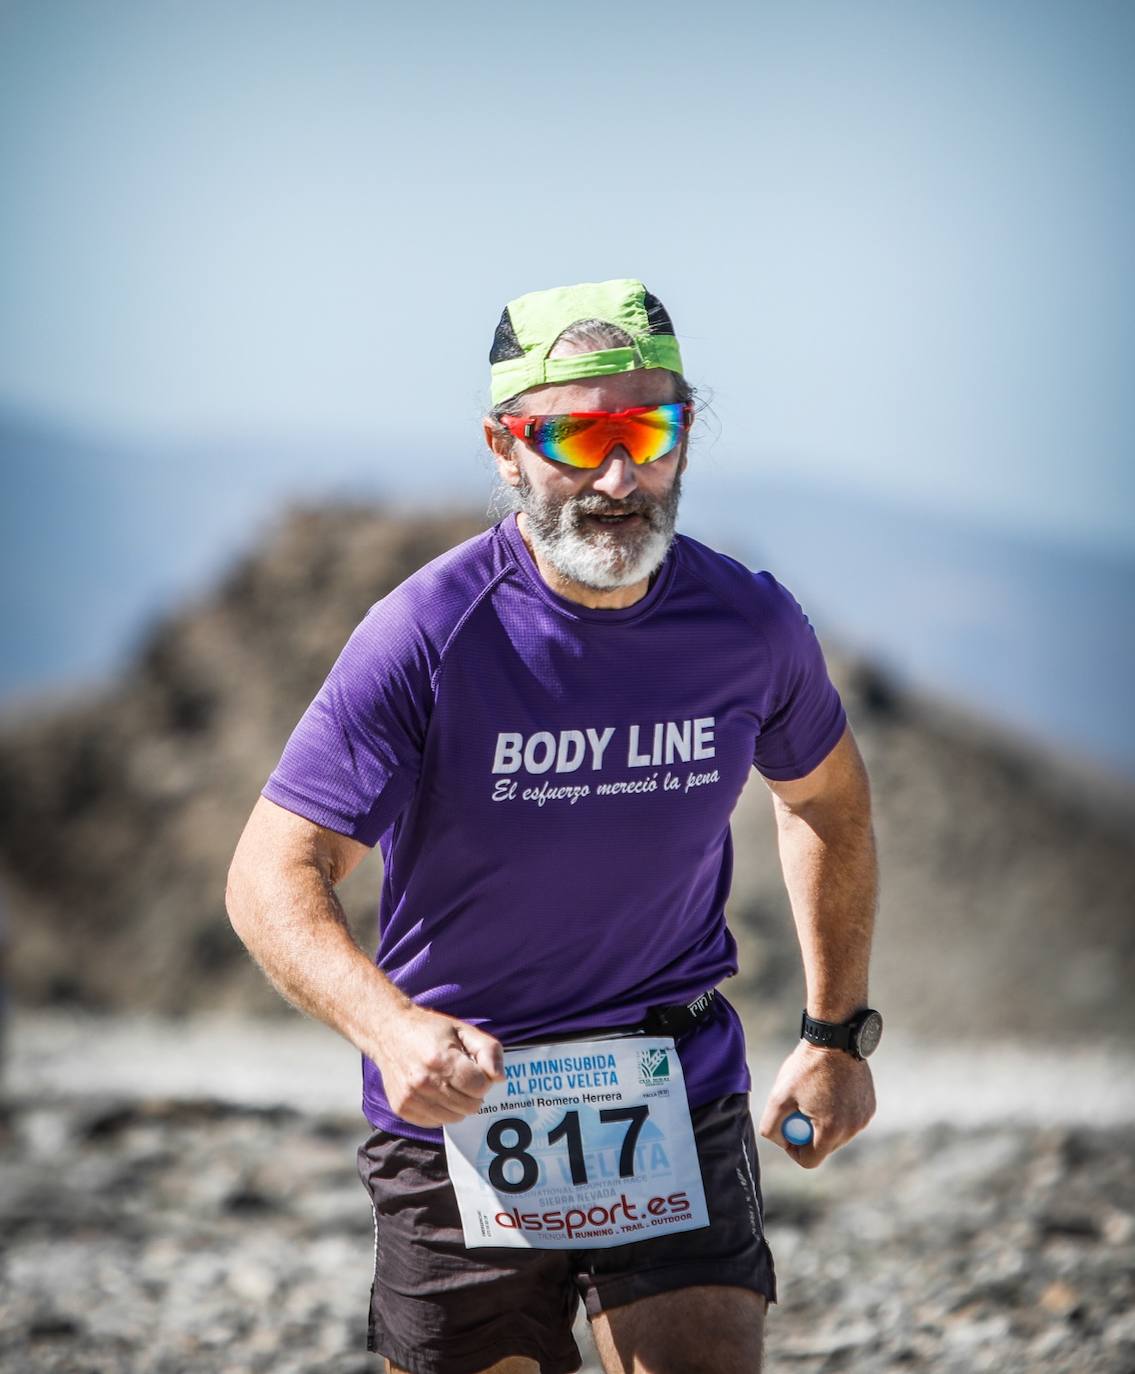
[(637, 503)]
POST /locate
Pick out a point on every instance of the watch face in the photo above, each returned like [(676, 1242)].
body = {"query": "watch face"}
[(870, 1033)]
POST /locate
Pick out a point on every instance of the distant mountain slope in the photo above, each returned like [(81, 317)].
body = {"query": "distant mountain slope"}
[(1008, 881)]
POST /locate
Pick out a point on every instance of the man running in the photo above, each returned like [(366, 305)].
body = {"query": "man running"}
[(546, 730)]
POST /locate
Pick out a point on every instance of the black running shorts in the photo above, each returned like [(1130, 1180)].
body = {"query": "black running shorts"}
[(440, 1308)]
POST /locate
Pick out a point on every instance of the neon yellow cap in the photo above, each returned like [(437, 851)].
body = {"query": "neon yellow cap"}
[(531, 324)]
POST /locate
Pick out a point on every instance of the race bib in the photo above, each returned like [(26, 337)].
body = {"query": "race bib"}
[(586, 1144)]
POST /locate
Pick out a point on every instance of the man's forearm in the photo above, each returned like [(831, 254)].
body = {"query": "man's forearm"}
[(293, 925), (827, 853)]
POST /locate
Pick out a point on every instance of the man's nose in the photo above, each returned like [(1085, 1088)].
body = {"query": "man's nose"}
[(618, 476)]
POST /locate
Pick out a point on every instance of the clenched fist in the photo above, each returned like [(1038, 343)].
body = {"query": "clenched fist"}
[(830, 1087), (435, 1068)]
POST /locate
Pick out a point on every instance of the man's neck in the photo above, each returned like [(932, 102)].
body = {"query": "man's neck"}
[(595, 598)]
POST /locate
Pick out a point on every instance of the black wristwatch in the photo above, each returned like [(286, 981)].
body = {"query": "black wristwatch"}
[(859, 1036)]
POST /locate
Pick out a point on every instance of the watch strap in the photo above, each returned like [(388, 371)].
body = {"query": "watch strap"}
[(833, 1035)]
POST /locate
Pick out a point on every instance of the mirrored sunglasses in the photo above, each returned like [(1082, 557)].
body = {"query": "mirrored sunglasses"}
[(583, 439)]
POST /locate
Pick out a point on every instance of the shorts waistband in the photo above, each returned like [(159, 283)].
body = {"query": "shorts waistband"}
[(676, 1019)]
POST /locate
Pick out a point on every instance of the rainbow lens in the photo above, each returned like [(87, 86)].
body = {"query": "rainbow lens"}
[(584, 441)]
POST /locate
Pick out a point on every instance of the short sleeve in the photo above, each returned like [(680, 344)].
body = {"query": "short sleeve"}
[(807, 717), (354, 759)]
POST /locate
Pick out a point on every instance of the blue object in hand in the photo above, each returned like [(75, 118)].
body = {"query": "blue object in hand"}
[(796, 1129)]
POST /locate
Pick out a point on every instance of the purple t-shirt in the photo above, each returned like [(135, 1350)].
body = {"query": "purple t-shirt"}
[(551, 787)]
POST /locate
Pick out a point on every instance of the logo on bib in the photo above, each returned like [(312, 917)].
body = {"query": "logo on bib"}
[(654, 1066)]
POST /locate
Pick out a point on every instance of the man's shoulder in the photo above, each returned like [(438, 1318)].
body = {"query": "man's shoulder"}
[(750, 593), (435, 598), (465, 567)]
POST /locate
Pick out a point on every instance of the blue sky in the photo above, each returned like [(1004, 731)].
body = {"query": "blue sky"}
[(896, 238)]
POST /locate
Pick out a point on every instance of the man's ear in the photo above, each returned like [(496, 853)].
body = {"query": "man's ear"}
[(503, 448), (491, 431)]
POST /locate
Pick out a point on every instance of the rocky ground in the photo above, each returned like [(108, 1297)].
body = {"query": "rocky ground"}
[(165, 1235)]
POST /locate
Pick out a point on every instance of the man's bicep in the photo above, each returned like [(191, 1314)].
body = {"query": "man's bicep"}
[(276, 839), (839, 777)]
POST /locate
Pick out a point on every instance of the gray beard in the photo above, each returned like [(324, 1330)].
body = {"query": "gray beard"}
[(593, 557)]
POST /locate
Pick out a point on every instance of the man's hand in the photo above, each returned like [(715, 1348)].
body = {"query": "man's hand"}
[(435, 1069), (830, 1087)]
